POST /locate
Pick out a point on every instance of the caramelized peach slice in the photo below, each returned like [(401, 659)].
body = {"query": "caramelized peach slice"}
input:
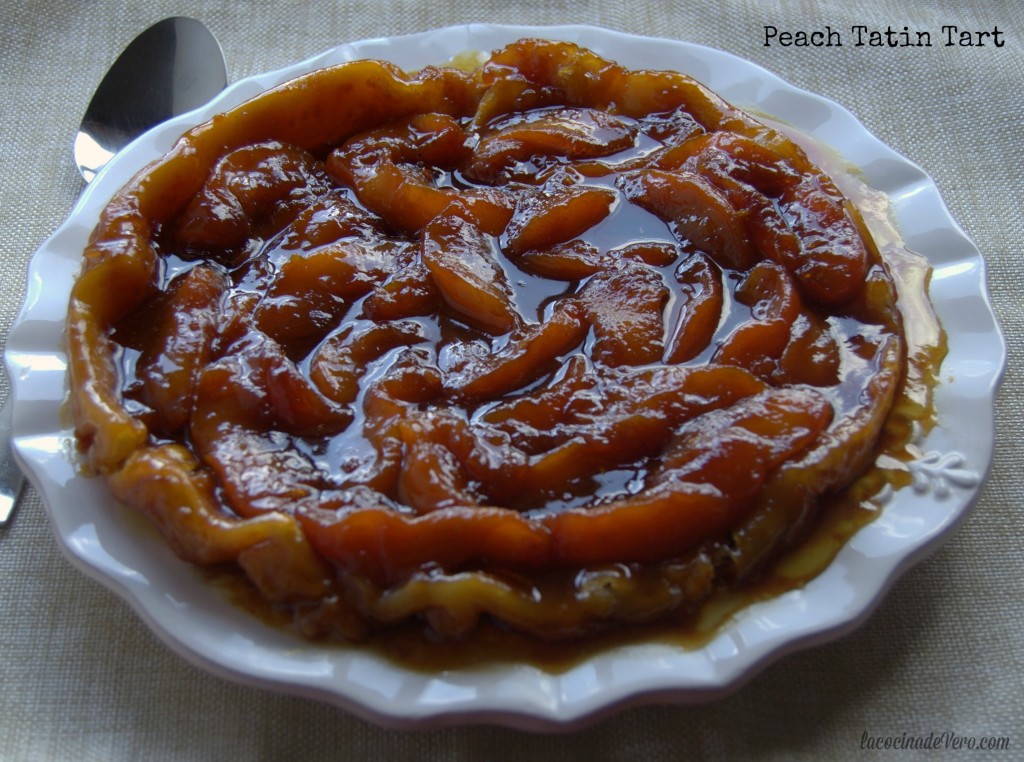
[(435, 139), (531, 418), (671, 128), (703, 486), (313, 289), (485, 454), (812, 355), (258, 472), (330, 218), (381, 166), (510, 95), (171, 363), (579, 259), (239, 307), (653, 253), (405, 294), (587, 79), (626, 309), (267, 180), (464, 268), (119, 267), (432, 478), (805, 226), (248, 406), (526, 356), (258, 387), (775, 304), (573, 133), (102, 425), (700, 311), (700, 212), (662, 522), (342, 359), (642, 409), (571, 260), (161, 480), (556, 215), (831, 263), (581, 75), (680, 156), (388, 546), (755, 435), (411, 380), (738, 165)]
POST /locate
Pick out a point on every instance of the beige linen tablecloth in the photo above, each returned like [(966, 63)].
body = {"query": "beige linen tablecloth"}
[(82, 678)]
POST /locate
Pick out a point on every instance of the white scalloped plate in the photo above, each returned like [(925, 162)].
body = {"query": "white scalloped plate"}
[(116, 548)]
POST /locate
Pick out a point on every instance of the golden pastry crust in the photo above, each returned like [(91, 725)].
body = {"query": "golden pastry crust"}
[(551, 341)]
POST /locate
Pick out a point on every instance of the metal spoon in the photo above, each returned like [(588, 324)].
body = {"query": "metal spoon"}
[(174, 66)]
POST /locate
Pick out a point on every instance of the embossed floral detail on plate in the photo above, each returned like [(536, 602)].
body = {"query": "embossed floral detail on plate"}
[(938, 473)]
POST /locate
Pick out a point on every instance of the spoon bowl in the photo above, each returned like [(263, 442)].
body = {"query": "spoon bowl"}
[(172, 67)]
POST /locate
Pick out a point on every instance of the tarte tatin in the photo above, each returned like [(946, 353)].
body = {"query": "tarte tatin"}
[(547, 341)]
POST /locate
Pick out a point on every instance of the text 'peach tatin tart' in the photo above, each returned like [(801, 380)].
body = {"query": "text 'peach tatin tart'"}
[(551, 342)]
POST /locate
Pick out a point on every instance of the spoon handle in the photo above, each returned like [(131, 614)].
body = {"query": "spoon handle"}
[(11, 478)]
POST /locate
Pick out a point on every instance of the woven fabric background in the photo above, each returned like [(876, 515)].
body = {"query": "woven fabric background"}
[(82, 678)]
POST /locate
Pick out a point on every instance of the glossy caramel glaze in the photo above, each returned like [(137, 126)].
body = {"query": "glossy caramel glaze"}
[(550, 342)]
